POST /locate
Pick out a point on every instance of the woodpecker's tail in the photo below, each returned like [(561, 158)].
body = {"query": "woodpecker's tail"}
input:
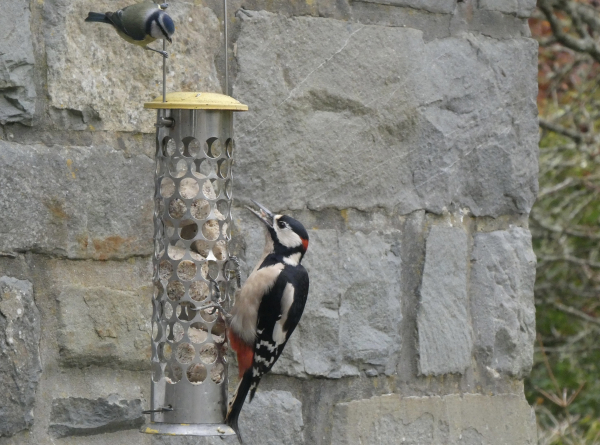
[(97, 17), (235, 406)]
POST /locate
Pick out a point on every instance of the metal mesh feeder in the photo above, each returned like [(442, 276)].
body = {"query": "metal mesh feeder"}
[(192, 265)]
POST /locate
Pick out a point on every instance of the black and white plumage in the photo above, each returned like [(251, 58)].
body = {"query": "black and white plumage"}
[(268, 306), (140, 24)]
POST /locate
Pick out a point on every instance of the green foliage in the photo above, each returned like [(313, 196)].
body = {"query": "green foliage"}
[(565, 222)]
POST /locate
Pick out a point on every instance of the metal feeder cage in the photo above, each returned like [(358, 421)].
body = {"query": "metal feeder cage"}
[(192, 265)]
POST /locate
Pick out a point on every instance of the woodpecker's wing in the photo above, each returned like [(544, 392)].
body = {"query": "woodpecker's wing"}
[(278, 315)]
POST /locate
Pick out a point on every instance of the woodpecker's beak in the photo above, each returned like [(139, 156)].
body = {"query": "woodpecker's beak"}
[(264, 214)]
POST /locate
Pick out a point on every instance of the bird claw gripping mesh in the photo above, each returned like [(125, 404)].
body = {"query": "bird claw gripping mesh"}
[(216, 292), (236, 271)]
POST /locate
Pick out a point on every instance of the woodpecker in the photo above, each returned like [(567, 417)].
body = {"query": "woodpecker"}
[(268, 306)]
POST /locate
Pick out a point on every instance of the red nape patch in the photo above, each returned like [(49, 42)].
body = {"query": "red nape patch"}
[(305, 244), (245, 352)]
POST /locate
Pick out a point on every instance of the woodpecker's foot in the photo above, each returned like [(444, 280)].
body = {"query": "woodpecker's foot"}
[(216, 293), (215, 296), (238, 276), (162, 53), (216, 306)]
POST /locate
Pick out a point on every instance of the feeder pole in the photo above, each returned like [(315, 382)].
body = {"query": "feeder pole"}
[(164, 72), (226, 48)]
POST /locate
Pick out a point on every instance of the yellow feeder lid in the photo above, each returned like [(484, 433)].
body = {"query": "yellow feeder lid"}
[(197, 101)]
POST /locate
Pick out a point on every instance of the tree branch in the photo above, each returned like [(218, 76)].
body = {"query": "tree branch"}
[(550, 126), (571, 259), (582, 45), (564, 230), (576, 312)]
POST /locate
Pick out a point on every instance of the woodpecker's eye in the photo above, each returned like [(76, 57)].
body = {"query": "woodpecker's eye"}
[(281, 224)]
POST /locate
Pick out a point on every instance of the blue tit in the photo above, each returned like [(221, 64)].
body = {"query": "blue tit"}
[(140, 24)]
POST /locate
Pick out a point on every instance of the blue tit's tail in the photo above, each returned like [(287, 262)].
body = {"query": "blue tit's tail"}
[(235, 406), (97, 17)]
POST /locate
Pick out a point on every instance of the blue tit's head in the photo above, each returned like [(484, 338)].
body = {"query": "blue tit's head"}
[(160, 25)]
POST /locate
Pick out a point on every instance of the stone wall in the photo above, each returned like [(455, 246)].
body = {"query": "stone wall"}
[(402, 133)]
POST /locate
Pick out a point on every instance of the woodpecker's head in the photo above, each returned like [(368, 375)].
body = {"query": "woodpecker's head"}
[(290, 238)]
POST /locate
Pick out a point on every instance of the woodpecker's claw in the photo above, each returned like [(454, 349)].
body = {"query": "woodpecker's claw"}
[(238, 277), (216, 306), (216, 296), (216, 290)]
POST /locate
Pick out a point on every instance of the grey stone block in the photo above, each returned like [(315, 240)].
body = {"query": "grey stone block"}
[(97, 81), (399, 130), (436, 6), (352, 317), (17, 88), (339, 9), (506, 6), (104, 313), (526, 8), (370, 311), (464, 19), (522, 8), (190, 440), (502, 306), (443, 323), (471, 419), (75, 202), (76, 416), (433, 26), (494, 24), (20, 365), (273, 418)]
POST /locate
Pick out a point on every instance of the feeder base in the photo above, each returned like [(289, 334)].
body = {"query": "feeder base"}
[(187, 429)]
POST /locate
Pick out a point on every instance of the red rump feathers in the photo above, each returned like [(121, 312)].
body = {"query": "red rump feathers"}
[(245, 352)]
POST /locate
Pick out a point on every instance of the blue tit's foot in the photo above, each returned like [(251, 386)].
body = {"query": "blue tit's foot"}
[(162, 53)]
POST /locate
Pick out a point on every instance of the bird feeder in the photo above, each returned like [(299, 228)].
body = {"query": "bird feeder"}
[(192, 265)]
